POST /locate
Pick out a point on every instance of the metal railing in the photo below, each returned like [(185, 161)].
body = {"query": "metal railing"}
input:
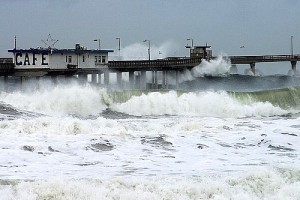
[(6, 60), (264, 58), (170, 62)]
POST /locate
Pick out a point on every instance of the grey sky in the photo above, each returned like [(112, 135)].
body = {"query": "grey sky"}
[(262, 26)]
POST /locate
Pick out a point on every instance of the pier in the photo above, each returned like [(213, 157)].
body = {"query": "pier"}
[(77, 62)]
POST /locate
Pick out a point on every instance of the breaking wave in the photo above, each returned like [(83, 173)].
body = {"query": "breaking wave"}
[(59, 101), (212, 104), (86, 101)]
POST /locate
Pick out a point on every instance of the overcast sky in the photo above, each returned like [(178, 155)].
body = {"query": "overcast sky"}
[(262, 26)]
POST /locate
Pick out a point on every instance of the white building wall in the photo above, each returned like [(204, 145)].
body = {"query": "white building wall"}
[(57, 61)]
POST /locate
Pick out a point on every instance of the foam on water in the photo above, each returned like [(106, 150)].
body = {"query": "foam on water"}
[(267, 184), (60, 126)]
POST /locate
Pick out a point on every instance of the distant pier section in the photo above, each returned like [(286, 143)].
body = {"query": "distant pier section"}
[(81, 63)]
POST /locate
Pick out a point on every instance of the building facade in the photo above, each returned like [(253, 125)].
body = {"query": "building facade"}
[(60, 59)]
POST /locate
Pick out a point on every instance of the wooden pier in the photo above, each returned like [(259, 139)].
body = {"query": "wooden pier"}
[(137, 69)]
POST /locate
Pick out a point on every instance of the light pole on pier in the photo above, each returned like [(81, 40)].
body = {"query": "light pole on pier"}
[(292, 45), (119, 43), (15, 44), (98, 40), (149, 46), (190, 39)]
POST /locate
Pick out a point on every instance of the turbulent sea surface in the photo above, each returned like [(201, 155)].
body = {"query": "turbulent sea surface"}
[(234, 137)]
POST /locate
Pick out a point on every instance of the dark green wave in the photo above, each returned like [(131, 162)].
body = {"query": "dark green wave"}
[(286, 98)]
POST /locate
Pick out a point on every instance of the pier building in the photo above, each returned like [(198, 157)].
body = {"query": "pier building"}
[(37, 61)]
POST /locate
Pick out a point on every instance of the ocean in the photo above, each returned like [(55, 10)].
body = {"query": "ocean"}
[(230, 137)]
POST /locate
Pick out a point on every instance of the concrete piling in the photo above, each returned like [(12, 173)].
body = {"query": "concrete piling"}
[(252, 66)]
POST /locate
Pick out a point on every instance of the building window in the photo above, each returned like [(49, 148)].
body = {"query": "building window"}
[(103, 59), (100, 59), (70, 59), (83, 59), (66, 59)]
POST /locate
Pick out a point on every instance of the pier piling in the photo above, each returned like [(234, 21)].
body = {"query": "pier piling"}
[(5, 83), (294, 65), (106, 78), (176, 79), (143, 81), (252, 66), (119, 80), (131, 79), (94, 78)]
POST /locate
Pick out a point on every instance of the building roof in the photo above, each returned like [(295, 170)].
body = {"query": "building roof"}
[(59, 51), (202, 46)]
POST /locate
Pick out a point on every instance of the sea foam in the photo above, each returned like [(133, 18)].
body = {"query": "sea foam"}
[(267, 184)]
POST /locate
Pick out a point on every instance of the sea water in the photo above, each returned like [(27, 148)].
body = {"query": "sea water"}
[(82, 142)]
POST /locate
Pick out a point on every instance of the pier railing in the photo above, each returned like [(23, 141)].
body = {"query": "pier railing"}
[(6, 65), (264, 58), (161, 63)]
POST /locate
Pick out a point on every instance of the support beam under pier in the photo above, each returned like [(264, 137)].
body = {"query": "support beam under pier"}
[(119, 80), (106, 78), (82, 78), (294, 65), (5, 83), (131, 79), (155, 80), (176, 79), (22, 82), (94, 78), (143, 80), (252, 66), (165, 80)]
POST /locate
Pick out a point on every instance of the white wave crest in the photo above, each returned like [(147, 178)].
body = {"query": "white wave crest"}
[(208, 104), (59, 101)]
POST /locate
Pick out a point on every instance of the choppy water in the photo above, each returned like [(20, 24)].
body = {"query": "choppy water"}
[(84, 142)]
